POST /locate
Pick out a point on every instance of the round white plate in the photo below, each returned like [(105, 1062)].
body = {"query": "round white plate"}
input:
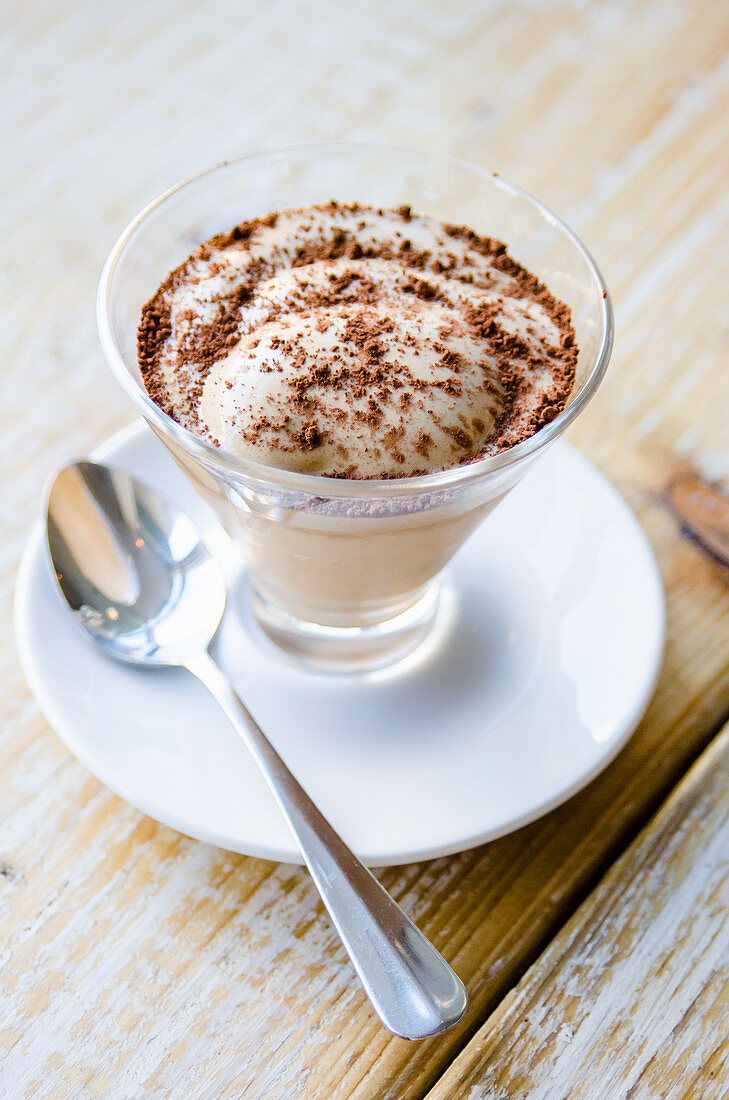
[(542, 661)]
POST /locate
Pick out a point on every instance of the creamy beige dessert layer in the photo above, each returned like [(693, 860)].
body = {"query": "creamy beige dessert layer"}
[(357, 343)]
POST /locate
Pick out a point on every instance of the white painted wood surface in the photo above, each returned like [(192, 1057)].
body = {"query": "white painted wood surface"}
[(135, 962), (631, 999)]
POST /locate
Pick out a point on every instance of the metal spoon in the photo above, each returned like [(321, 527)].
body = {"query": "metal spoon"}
[(137, 576)]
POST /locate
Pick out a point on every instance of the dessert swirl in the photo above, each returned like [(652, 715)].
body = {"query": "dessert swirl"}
[(357, 343)]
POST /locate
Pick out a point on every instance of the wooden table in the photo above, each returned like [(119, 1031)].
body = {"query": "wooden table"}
[(137, 962)]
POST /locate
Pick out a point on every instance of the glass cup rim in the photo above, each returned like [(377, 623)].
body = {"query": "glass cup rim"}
[(318, 484)]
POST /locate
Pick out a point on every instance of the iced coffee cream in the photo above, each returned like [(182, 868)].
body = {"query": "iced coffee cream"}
[(356, 343)]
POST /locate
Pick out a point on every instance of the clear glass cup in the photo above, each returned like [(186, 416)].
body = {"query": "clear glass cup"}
[(344, 572)]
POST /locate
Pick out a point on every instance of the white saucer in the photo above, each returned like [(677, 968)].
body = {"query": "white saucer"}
[(542, 662)]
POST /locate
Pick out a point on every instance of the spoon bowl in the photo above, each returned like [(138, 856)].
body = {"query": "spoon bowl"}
[(132, 566)]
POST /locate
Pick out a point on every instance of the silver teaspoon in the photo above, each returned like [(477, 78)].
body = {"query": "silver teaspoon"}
[(137, 576)]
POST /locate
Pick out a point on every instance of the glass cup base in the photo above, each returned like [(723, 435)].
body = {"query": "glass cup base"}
[(348, 649)]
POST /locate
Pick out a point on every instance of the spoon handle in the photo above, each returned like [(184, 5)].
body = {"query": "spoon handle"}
[(412, 988)]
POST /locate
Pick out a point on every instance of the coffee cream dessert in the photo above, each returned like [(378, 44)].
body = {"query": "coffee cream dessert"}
[(356, 343)]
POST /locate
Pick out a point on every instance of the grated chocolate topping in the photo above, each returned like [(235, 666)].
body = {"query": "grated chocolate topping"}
[(354, 342)]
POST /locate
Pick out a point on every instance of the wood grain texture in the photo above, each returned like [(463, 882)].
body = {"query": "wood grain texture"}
[(631, 998), (136, 962)]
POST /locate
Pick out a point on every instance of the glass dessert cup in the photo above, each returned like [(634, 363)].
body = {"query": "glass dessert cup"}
[(343, 573)]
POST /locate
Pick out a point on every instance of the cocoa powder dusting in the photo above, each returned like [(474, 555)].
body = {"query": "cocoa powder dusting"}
[(361, 367)]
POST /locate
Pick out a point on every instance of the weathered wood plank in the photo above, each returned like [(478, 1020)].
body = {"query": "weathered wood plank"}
[(138, 962), (631, 997)]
